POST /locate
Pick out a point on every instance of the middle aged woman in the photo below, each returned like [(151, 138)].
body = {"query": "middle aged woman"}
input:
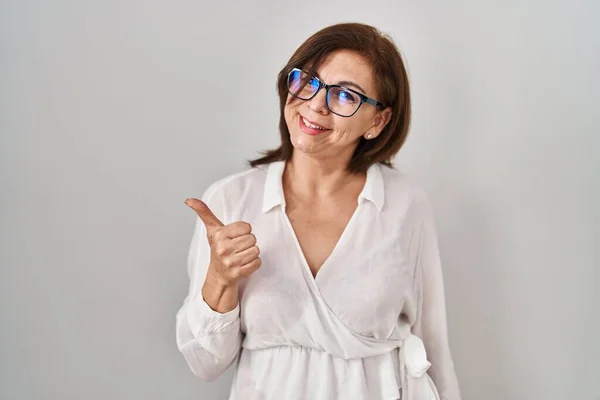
[(316, 272)]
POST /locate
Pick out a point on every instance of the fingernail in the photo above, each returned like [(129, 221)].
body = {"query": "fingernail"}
[(186, 202)]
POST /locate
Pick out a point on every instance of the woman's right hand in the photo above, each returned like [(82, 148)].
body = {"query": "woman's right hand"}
[(234, 254)]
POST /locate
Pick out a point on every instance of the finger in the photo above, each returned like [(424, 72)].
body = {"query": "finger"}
[(204, 212), (244, 257), (236, 229), (244, 242), (247, 269)]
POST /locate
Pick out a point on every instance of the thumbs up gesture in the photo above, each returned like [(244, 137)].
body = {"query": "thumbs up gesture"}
[(234, 254)]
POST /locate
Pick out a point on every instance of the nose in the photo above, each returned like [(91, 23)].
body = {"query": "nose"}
[(319, 103)]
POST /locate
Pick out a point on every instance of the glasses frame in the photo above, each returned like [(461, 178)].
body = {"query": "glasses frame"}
[(322, 85)]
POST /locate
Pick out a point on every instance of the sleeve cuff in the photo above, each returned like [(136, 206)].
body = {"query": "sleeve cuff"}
[(203, 320)]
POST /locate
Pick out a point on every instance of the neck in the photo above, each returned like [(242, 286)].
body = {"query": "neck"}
[(319, 178)]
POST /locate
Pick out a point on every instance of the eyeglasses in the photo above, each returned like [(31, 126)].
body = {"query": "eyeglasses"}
[(340, 100)]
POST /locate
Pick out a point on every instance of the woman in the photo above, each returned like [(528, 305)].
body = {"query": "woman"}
[(317, 269)]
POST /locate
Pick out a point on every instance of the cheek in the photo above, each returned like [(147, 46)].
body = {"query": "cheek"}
[(348, 129), (289, 116), (352, 127), (290, 109)]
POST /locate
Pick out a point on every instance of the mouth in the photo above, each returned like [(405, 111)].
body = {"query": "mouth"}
[(311, 127)]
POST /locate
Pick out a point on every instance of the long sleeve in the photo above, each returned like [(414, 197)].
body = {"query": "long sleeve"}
[(431, 323), (208, 340)]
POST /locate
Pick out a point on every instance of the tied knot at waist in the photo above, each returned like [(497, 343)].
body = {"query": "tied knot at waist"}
[(416, 384)]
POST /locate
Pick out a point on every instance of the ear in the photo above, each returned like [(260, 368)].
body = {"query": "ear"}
[(381, 119)]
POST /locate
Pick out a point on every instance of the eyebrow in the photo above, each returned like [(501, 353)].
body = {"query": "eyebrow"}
[(350, 83), (345, 83)]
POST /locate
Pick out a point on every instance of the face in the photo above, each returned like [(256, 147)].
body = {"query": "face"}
[(316, 131)]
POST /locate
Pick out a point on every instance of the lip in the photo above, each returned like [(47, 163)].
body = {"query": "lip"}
[(310, 131)]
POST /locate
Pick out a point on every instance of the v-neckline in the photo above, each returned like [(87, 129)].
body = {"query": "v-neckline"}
[(367, 187), (336, 247)]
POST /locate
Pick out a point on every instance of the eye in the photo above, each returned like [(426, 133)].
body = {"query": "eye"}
[(300, 85), (314, 84), (346, 96)]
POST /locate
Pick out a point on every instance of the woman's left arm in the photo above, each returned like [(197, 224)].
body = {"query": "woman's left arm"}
[(431, 325)]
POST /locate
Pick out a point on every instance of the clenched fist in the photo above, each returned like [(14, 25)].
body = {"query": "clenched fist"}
[(234, 254)]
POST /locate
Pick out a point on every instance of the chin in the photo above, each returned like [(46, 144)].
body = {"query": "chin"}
[(305, 143), (301, 141)]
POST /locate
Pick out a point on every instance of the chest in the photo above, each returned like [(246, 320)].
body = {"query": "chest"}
[(364, 281), (318, 230)]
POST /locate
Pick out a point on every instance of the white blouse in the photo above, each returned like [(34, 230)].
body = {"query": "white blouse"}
[(371, 325)]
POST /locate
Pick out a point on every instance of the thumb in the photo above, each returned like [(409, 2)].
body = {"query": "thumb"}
[(205, 214)]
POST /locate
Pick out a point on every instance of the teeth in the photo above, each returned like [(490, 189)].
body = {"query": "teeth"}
[(311, 125)]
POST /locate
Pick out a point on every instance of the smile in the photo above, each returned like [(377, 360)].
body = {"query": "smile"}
[(310, 127)]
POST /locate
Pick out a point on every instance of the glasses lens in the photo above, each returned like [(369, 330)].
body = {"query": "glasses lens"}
[(301, 86), (342, 101)]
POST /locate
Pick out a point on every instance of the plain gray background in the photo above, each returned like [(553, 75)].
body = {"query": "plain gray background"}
[(113, 112)]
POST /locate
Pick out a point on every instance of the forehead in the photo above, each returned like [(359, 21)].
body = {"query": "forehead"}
[(346, 65)]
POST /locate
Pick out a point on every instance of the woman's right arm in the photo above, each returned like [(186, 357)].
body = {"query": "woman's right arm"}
[(208, 324)]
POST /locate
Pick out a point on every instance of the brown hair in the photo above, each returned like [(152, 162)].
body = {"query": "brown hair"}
[(390, 78)]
